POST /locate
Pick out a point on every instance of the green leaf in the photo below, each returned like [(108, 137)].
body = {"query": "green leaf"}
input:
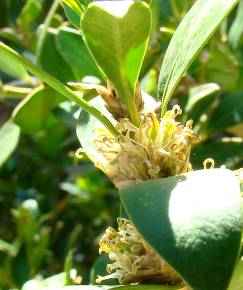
[(10, 249), (228, 153), (34, 112), (193, 32), (194, 221), (72, 15), (237, 279), (75, 5), (228, 113), (87, 124), (9, 137), (74, 51), (52, 61), (117, 33), (236, 29), (223, 67), (199, 98), (30, 11), (13, 68), (99, 268)]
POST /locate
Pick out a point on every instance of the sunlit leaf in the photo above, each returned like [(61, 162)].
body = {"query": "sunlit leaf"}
[(117, 33), (194, 221), (237, 279), (12, 67), (193, 32), (236, 29)]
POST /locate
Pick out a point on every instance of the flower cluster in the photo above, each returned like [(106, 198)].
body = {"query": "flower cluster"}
[(152, 150), (133, 260)]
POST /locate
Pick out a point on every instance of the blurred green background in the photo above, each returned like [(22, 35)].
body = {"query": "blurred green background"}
[(54, 206)]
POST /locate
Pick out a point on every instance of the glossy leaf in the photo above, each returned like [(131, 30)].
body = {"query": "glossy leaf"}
[(74, 51), (194, 221), (34, 112), (9, 137), (193, 32), (117, 33)]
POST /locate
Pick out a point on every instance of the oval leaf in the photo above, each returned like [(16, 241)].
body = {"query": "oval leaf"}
[(73, 50), (34, 112), (194, 221), (9, 137), (117, 33), (193, 32), (13, 67)]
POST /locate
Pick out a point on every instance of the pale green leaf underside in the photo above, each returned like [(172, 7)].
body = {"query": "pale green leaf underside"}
[(194, 221), (117, 34), (198, 93), (12, 67), (193, 32), (9, 137)]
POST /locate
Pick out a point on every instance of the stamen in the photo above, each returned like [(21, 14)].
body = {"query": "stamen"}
[(209, 163)]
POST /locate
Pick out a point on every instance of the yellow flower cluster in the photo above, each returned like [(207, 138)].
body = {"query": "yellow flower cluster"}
[(152, 150), (133, 260)]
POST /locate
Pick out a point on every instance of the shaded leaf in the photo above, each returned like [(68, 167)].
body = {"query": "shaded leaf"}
[(224, 153), (52, 61), (194, 221), (34, 112), (8, 248), (73, 50), (223, 67), (199, 99), (193, 32), (9, 137), (30, 11), (229, 112)]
